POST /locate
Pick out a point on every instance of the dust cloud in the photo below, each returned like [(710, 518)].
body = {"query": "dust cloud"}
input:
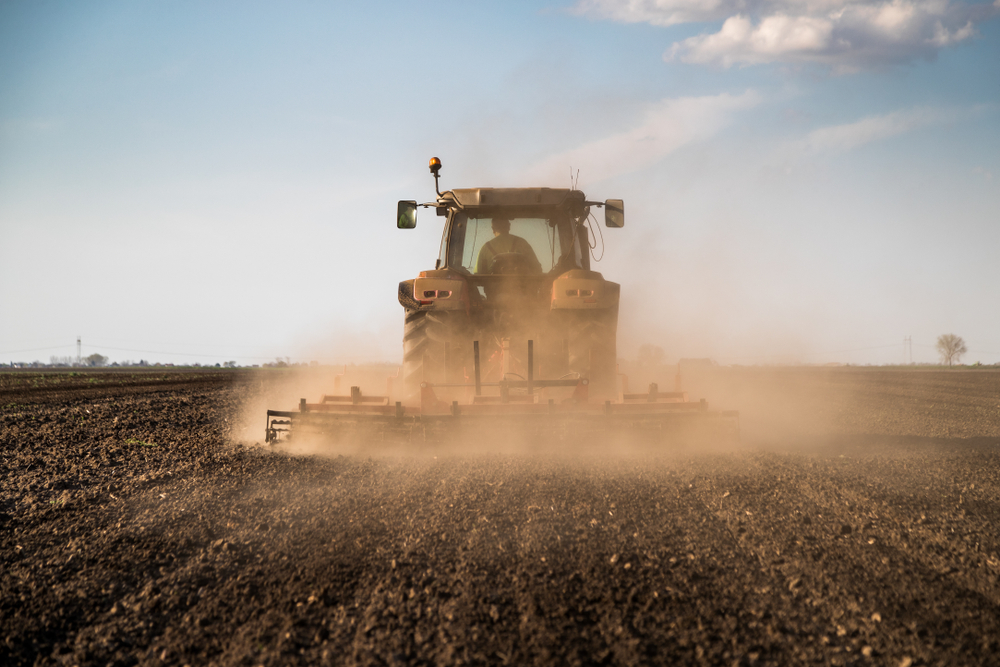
[(566, 438), (775, 406), (780, 408), (283, 389)]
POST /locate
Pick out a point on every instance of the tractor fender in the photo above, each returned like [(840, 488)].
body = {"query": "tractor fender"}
[(584, 290), (406, 299)]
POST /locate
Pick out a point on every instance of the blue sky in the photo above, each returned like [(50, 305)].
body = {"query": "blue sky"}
[(804, 181)]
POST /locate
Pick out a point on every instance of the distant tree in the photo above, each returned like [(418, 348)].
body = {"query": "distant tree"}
[(951, 348), (96, 360)]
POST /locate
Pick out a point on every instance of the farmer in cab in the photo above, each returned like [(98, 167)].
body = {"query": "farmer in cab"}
[(506, 253)]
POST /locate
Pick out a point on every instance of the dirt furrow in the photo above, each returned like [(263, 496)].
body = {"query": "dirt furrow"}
[(136, 529)]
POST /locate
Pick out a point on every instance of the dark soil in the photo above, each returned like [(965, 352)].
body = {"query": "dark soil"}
[(136, 528)]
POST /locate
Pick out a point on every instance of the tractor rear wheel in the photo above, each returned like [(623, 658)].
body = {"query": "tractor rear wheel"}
[(433, 348), (591, 338)]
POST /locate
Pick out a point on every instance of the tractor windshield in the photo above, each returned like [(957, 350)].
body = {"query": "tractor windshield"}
[(504, 244)]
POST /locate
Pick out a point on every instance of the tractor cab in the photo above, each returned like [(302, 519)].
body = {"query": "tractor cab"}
[(509, 246)]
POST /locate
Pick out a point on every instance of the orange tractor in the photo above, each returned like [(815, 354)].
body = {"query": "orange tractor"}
[(512, 325)]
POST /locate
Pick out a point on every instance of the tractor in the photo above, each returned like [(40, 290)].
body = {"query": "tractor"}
[(512, 334)]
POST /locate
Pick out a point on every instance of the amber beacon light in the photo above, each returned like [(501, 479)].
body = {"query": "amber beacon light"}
[(435, 165)]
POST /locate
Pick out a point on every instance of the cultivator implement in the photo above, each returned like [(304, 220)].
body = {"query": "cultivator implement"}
[(531, 410)]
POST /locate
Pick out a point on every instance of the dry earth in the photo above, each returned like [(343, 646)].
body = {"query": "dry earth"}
[(858, 523)]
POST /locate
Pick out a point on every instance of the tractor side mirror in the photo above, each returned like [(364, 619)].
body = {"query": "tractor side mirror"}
[(406, 214), (614, 213)]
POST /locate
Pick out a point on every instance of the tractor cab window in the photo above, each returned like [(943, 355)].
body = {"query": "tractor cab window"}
[(503, 244)]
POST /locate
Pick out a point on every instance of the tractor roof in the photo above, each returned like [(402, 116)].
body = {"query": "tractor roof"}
[(493, 197)]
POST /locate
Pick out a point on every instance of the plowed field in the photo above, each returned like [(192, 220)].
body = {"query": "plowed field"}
[(857, 523)]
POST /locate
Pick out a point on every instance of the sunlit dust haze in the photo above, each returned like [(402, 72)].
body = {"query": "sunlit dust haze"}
[(804, 182)]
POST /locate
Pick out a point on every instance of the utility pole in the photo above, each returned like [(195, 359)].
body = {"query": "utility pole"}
[(79, 357), (908, 350)]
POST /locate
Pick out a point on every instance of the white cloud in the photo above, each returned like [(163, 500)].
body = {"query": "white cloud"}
[(846, 137), (843, 138), (667, 125), (846, 35)]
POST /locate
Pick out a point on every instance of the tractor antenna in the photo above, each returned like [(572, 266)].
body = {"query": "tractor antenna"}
[(573, 181), (435, 165)]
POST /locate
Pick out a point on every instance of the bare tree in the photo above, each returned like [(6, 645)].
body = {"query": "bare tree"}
[(951, 348)]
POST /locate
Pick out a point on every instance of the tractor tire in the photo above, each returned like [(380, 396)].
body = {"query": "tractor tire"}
[(433, 348), (592, 338)]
